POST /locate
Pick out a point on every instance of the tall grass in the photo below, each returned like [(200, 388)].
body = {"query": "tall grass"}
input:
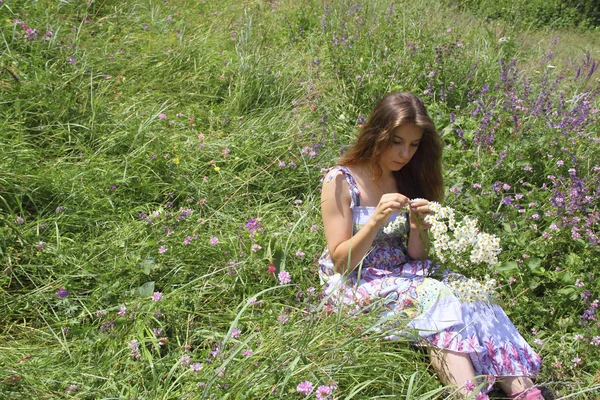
[(177, 147)]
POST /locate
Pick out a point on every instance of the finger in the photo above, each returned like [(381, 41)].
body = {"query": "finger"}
[(397, 207), (417, 209), (419, 202), (401, 198), (423, 209)]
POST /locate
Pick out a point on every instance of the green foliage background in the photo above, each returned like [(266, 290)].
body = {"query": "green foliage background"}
[(200, 116), (555, 14)]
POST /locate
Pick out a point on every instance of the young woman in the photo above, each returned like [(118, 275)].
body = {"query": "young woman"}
[(396, 158)]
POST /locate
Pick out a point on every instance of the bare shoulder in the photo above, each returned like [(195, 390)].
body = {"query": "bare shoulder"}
[(335, 186), (335, 208)]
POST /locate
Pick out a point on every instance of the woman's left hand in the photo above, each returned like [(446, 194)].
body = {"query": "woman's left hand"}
[(419, 208)]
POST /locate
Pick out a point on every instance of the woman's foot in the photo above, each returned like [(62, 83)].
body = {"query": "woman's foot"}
[(546, 393)]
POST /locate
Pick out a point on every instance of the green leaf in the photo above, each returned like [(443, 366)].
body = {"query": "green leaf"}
[(277, 258), (566, 291), (507, 227), (147, 265), (147, 289), (567, 277), (533, 263), (508, 266), (573, 259)]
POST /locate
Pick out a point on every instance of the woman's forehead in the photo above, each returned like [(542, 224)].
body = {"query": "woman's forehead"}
[(408, 132)]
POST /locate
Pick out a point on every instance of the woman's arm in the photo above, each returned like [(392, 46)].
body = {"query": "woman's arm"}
[(345, 249)]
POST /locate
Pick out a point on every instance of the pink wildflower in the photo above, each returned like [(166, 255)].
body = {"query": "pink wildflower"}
[(156, 296), (71, 388), (469, 385), (304, 388), (283, 319), (284, 278), (214, 241), (247, 353), (323, 392)]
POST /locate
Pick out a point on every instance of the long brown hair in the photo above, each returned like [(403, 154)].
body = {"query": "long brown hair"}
[(422, 176)]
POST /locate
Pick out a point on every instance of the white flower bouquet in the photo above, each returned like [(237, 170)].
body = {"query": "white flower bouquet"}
[(462, 245)]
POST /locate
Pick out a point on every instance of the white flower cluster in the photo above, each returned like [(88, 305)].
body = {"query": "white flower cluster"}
[(396, 225), (471, 290), (452, 240)]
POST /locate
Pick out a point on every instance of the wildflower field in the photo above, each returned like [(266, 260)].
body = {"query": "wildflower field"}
[(160, 166)]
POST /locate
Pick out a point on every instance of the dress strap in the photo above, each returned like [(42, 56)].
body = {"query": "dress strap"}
[(354, 191)]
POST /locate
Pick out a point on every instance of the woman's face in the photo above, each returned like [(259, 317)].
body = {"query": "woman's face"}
[(405, 143)]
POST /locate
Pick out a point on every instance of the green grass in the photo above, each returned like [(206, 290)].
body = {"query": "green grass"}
[(247, 90)]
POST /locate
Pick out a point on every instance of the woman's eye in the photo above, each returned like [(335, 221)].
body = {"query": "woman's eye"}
[(397, 142), (415, 144)]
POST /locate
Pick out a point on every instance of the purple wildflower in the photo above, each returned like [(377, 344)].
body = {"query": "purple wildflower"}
[(196, 366), (252, 224), (185, 360), (62, 293)]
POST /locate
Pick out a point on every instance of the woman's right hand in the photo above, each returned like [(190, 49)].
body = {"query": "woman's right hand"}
[(388, 204)]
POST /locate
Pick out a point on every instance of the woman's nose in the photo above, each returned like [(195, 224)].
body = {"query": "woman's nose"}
[(404, 152)]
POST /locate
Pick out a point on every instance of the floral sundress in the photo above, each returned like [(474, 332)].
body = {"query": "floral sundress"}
[(398, 287)]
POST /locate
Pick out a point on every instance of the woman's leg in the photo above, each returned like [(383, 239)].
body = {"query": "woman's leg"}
[(514, 384), (452, 368)]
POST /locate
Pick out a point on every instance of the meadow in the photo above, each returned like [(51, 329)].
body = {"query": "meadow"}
[(160, 166)]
